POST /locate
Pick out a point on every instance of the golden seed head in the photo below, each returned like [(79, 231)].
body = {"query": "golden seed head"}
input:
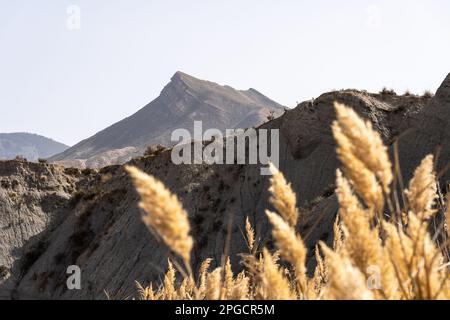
[(366, 144), (163, 213), (282, 197), (422, 189)]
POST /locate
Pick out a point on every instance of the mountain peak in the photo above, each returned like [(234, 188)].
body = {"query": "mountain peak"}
[(179, 75), (184, 77), (182, 101), (182, 80)]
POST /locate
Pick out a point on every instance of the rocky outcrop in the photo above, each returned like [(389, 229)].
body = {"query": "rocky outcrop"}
[(184, 100), (33, 200), (429, 134), (101, 231)]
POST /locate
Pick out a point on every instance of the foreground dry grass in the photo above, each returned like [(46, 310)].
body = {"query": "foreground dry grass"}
[(381, 250)]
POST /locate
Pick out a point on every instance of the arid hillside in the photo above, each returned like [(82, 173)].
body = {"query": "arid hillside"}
[(90, 217)]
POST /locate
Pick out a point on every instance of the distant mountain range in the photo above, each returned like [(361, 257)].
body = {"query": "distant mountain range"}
[(30, 146), (184, 100)]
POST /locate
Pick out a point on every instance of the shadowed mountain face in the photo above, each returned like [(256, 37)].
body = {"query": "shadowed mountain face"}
[(184, 100), (30, 146), (54, 217)]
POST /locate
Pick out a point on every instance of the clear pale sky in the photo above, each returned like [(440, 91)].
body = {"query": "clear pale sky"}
[(68, 84)]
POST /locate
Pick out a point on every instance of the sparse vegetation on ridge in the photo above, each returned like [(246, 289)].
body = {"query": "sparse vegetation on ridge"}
[(428, 94), (383, 248), (386, 91)]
